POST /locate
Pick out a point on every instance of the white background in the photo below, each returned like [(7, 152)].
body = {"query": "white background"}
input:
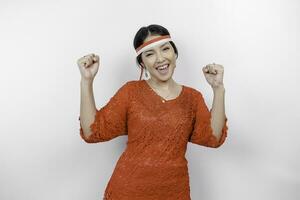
[(42, 156)]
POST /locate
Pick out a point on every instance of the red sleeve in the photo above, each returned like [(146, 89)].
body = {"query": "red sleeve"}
[(110, 120), (202, 133)]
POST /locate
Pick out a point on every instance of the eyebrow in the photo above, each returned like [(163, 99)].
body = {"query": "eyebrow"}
[(160, 47)]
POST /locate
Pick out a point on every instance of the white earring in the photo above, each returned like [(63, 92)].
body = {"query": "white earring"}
[(146, 74)]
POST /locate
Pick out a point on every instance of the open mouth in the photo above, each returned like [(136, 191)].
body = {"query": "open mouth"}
[(163, 69)]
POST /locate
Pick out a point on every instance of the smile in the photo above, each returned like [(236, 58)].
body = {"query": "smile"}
[(163, 69)]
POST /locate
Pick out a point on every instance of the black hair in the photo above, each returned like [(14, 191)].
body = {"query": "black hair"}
[(144, 32)]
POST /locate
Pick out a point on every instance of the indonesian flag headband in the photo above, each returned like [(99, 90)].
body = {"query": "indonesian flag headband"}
[(151, 43)]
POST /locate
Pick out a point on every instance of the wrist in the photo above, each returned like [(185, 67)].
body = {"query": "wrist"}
[(86, 81), (219, 88)]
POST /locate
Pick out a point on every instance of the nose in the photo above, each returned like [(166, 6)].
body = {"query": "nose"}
[(160, 57)]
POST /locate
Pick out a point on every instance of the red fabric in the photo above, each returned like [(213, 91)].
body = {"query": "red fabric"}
[(153, 165), (151, 41)]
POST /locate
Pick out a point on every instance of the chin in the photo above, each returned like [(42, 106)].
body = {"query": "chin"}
[(162, 77)]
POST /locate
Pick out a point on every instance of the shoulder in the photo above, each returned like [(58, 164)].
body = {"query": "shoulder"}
[(130, 87), (128, 84), (193, 92), (193, 96), (131, 84)]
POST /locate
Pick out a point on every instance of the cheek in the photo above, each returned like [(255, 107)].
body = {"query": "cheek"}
[(150, 61), (171, 55), (172, 58)]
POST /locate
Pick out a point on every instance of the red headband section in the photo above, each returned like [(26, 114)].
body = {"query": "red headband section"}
[(151, 41)]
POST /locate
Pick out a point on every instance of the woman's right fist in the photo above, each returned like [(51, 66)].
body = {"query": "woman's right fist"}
[(88, 66)]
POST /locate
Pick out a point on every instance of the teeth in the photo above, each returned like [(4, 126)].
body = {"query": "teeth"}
[(162, 67)]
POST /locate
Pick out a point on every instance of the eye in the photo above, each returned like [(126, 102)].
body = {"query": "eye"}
[(148, 54), (166, 48)]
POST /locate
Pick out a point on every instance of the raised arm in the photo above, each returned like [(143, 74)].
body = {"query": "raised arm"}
[(88, 67), (109, 121), (87, 107), (210, 127), (218, 117)]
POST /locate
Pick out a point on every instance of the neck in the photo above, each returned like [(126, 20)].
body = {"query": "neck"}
[(165, 85)]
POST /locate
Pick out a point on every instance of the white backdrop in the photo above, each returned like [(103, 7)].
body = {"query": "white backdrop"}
[(42, 156)]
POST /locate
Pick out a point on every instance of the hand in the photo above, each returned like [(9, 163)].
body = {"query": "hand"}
[(88, 66), (214, 75)]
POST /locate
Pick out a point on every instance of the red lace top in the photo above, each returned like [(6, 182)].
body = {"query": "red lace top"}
[(153, 165)]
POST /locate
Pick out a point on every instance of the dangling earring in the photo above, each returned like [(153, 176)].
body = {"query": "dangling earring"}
[(146, 74)]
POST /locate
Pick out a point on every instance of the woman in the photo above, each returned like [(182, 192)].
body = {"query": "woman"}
[(158, 115)]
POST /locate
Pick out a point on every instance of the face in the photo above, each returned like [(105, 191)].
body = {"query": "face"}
[(160, 60)]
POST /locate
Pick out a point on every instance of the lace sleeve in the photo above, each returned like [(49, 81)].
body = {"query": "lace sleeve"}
[(202, 133), (110, 120)]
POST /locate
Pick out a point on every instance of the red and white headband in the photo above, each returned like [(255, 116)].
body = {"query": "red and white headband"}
[(151, 43)]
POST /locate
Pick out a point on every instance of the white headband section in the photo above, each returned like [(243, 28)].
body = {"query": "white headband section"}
[(149, 46)]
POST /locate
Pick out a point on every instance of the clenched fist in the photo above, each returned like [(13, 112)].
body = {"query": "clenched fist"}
[(88, 66), (214, 74)]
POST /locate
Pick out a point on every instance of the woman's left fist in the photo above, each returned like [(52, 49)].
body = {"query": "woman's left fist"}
[(214, 74)]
